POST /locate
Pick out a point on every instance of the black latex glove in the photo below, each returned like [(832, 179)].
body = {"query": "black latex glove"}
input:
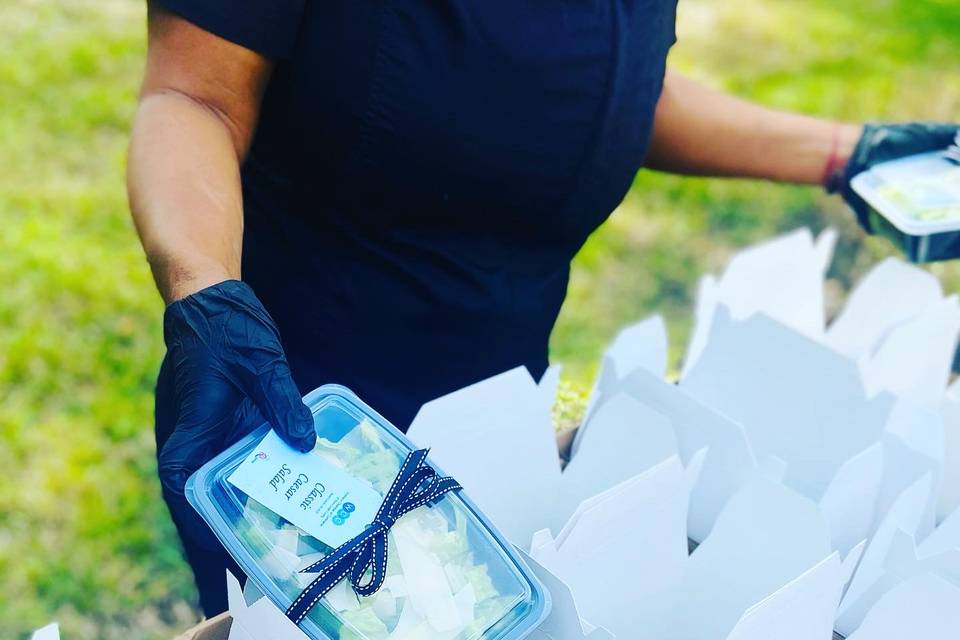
[(229, 374), (882, 142)]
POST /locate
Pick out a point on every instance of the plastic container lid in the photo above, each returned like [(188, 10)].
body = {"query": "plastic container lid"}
[(476, 585), (919, 195)]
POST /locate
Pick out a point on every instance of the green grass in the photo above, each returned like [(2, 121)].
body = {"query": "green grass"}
[(84, 536)]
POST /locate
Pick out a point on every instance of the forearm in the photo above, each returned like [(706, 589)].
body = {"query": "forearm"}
[(700, 131), (184, 187)]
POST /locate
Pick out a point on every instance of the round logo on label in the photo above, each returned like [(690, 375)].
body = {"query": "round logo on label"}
[(343, 515), (337, 520), (349, 507)]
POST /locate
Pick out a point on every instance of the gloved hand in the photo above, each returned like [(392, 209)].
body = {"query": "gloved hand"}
[(883, 142), (225, 373)]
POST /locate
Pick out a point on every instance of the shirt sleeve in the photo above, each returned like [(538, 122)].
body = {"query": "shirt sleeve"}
[(268, 27)]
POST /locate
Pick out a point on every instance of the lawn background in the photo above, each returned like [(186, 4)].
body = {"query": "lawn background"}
[(84, 536)]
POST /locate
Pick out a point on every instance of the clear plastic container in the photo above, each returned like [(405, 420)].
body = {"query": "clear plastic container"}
[(462, 580), (915, 202)]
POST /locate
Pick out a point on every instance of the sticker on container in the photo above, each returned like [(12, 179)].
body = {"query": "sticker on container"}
[(320, 498)]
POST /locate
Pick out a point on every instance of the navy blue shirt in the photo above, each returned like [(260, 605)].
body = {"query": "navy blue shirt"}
[(423, 172)]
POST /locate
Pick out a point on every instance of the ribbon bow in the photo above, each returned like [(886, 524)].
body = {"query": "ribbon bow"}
[(415, 485)]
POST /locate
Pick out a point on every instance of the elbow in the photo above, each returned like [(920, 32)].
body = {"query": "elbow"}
[(176, 99)]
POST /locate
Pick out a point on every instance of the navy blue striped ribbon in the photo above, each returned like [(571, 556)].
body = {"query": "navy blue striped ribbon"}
[(416, 484)]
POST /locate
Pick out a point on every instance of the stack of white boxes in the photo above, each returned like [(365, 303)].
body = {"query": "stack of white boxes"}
[(816, 466)]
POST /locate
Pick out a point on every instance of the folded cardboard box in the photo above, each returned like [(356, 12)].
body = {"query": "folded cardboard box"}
[(217, 628)]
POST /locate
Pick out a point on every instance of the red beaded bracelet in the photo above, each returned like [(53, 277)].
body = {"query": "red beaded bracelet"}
[(833, 170)]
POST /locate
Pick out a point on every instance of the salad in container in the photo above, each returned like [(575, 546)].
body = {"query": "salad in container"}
[(915, 202), (449, 574)]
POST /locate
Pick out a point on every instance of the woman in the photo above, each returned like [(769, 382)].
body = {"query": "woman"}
[(403, 185)]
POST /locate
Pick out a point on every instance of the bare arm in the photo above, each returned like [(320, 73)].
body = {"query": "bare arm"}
[(197, 113), (700, 131)]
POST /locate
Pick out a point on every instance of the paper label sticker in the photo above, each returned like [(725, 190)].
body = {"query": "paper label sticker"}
[(324, 500)]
